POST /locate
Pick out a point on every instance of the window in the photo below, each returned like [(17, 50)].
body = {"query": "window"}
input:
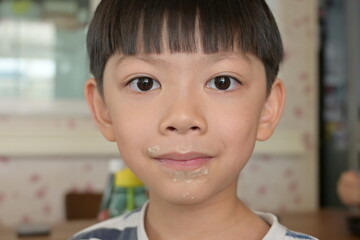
[(43, 67)]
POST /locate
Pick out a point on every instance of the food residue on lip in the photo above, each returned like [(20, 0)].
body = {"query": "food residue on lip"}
[(189, 176), (153, 151)]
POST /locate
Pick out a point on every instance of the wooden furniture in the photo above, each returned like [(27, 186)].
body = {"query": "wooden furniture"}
[(325, 224), (82, 205)]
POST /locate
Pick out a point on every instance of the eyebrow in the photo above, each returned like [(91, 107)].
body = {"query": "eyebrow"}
[(145, 58), (208, 59), (218, 57)]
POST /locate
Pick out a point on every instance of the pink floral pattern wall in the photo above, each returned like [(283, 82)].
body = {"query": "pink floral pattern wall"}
[(289, 182), (33, 189)]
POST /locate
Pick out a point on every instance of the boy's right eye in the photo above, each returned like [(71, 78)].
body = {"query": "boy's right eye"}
[(143, 84)]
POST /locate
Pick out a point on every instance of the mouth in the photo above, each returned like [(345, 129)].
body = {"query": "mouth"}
[(183, 161)]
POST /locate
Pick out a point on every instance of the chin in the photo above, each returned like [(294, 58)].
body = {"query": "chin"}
[(182, 193)]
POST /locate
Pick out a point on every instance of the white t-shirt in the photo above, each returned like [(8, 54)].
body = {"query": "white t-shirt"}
[(131, 227)]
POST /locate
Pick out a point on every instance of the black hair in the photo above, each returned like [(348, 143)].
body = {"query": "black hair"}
[(133, 26)]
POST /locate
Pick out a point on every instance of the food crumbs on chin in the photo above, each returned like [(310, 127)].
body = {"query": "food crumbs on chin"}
[(186, 194), (189, 176)]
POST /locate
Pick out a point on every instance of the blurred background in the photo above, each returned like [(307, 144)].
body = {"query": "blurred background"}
[(49, 146)]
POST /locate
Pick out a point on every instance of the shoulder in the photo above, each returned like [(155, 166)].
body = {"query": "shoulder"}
[(124, 227), (278, 231)]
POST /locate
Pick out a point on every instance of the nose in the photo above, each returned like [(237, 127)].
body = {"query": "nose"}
[(183, 116)]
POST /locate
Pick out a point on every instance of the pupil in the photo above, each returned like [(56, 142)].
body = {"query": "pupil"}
[(222, 83), (145, 84)]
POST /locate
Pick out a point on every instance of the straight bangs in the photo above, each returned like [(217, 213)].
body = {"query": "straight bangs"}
[(131, 27)]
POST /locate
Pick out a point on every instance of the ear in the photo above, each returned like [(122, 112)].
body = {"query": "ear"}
[(272, 110), (99, 109)]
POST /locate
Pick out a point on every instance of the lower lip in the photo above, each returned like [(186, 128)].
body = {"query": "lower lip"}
[(190, 164)]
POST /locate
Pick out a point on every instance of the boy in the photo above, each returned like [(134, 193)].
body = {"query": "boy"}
[(185, 88)]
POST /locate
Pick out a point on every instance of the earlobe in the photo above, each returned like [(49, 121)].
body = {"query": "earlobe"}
[(272, 111), (99, 109)]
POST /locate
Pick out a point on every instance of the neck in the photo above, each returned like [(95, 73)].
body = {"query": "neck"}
[(221, 217)]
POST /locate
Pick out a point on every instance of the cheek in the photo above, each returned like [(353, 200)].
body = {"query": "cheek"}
[(131, 120), (127, 131), (128, 124), (237, 124), (238, 134)]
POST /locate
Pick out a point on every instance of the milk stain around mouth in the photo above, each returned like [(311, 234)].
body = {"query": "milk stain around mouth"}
[(197, 175)]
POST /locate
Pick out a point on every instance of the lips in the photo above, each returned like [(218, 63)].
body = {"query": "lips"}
[(183, 161)]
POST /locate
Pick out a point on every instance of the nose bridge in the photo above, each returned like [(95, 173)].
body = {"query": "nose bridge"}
[(183, 113)]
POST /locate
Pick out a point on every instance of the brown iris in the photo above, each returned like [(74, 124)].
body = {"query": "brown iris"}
[(145, 83), (222, 82)]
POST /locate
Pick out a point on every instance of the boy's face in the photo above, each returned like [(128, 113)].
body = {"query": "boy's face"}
[(186, 123)]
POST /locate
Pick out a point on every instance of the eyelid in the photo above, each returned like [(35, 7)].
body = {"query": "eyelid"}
[(134, 77), (230, 75), (235, 78)]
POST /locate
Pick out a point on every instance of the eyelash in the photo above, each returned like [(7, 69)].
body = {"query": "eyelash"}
[(149, 85)]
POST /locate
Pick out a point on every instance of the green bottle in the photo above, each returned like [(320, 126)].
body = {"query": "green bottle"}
[(114, 166), (128, 194)]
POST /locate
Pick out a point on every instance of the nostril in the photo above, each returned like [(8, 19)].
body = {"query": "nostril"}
[(171, 128), (194, 128)]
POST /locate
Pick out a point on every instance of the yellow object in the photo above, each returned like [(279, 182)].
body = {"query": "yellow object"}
[(126, 178), (21, 6)]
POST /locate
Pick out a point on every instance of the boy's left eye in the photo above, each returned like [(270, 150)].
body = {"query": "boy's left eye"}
[(223, 83)]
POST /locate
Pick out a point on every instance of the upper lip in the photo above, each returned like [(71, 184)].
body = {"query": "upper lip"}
[(176, 156)]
